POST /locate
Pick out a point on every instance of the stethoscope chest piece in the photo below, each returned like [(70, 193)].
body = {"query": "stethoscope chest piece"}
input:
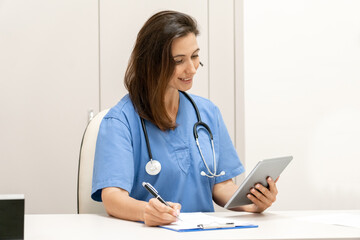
[(153, 167)]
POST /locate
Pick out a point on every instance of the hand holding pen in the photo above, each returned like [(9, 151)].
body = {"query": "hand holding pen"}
[(158, 211)]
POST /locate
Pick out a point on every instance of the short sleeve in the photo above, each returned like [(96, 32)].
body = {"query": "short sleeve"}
[(113, 164), (228, 158)]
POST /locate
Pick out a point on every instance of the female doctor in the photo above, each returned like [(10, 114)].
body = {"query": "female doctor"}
[(149, 135)]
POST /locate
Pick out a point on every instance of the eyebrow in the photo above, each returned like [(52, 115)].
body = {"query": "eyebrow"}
[(183, 55)]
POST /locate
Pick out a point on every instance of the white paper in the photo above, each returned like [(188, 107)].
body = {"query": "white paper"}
[(342, 219), (192, 221)]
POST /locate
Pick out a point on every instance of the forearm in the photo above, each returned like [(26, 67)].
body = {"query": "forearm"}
[(119, 204), (222, 192)]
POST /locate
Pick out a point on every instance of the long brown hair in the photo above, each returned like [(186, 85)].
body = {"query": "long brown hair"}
[(151, 64)]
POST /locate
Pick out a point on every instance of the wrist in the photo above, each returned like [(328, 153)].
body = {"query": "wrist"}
[(141, 213)]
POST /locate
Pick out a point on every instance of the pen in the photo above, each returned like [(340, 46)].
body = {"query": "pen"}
[(155, 193)]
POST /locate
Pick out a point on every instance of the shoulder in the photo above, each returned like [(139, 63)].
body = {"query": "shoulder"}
[(123, 111), (204, 104)]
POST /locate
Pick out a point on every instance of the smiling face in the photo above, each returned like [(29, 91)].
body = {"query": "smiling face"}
[(185, 52)]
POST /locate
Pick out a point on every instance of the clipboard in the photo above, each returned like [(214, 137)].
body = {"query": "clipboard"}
[(198, 221)]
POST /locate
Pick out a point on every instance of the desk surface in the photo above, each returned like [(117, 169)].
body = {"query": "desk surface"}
[(272, 225)]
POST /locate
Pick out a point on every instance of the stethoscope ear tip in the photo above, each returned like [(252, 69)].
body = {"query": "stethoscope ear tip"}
[(203, 173), (222, 173)]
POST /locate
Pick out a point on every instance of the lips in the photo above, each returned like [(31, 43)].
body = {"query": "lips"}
[(185, 79)]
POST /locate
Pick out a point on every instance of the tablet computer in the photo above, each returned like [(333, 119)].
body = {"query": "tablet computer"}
[(265, 168)]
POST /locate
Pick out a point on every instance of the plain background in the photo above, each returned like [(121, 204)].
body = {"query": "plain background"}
[(302, 82), (285, 75)]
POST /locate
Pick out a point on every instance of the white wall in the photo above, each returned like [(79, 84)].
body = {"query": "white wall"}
[(48, 82), (302, 82), (239, 82)]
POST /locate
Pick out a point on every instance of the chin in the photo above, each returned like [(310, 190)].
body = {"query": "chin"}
[(185, 88)]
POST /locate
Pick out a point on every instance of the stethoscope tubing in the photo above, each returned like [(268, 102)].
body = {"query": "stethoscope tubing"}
[(146, 138), (214, 159)]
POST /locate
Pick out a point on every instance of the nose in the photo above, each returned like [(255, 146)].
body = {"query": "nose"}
[(192, 67)]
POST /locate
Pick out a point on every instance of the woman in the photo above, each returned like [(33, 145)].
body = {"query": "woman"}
[(161, 68)]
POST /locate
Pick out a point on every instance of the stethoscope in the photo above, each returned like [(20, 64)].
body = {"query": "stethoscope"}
[(153, 167)]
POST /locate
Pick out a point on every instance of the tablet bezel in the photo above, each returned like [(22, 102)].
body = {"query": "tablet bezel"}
[(266, 168)]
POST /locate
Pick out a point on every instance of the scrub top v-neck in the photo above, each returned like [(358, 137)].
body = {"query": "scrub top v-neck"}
[(121, 155)]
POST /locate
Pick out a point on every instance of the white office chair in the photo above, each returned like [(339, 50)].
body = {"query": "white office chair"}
[(86, 163)]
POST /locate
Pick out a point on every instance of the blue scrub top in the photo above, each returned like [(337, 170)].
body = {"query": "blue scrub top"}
[(121, 155)]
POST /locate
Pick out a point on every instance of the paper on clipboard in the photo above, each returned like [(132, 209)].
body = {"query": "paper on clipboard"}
[(199, 221)]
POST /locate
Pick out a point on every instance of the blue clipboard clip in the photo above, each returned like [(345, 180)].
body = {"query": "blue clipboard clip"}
[(215, 225)]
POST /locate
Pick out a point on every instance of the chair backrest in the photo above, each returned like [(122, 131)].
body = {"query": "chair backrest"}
[(86, 163)]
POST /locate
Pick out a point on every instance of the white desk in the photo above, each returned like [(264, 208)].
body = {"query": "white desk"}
[(272, 225)]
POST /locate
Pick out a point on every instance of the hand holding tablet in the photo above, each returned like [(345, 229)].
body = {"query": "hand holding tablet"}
[(264, 169)]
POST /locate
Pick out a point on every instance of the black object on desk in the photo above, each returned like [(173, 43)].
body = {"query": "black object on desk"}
[(12, 217)]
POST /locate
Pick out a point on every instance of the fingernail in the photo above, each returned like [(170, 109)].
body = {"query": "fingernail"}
[(257, 186), (270, 178), (175, 213), (248, 196), (178, 212)]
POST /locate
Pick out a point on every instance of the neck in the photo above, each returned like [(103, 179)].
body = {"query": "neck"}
[(172, 103)]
